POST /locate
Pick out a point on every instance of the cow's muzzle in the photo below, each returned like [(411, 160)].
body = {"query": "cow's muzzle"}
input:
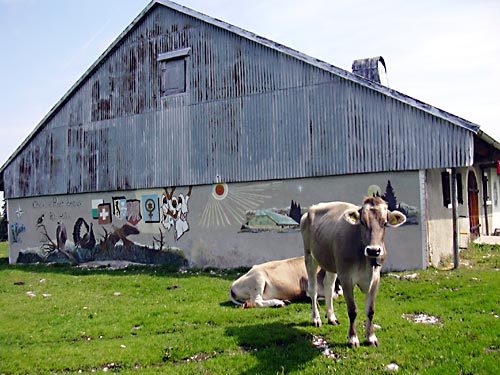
[(373, 251)]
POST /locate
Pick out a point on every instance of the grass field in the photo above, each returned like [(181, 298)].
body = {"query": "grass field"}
[(147, 320)]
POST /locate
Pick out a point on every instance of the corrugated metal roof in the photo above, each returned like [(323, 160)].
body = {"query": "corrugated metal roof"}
[(324, 65), (254, 110), (258, 39)]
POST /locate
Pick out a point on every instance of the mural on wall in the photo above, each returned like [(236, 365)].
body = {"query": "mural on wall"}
[(120, 208), (287, 220), (113, 244), (58, 245), (95, 207), (228, 205), (104, 216), (17, 228), (107, 235), (389, 196), (134, 211), (295, 212), (83, 235), (174, 212), (139, 228), (19, 212), (151, 207), (273, 219)]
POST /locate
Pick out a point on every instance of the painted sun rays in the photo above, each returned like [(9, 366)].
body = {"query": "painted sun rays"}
[(228, 204)]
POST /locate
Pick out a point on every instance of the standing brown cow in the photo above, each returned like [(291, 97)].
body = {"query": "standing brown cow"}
[(348, 241)]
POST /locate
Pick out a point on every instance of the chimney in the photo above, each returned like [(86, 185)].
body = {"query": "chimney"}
[(372, 68)]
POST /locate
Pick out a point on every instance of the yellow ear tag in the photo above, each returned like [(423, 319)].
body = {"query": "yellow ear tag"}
[(353, 217), (394, 220)]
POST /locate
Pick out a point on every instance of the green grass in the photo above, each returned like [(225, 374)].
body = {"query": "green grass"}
[(148, 320)]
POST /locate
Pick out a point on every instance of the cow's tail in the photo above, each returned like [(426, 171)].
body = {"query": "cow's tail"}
[(304, 221), (234, 299)]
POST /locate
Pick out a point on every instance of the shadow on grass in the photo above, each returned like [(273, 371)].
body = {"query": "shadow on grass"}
[(228, 304), (4, 262), (278, 348), (119, 267), (131, 269)]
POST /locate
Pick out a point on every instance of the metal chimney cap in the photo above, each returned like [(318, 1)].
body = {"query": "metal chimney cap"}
[(372, 68)]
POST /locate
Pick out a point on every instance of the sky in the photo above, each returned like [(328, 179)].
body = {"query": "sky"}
[(445, 53)]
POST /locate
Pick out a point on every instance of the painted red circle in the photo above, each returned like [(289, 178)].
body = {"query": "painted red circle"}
[(219, 189)]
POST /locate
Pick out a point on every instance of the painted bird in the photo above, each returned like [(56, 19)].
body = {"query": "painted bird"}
[(40, 220), (85, 240), (61, 235)]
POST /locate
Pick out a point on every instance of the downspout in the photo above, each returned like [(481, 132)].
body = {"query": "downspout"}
[(454, 204)]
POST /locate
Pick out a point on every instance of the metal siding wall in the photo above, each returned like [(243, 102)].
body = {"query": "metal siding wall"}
[(250, 113)]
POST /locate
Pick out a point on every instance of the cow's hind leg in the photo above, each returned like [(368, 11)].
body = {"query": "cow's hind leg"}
[(260, 302), (312, 287), (329, 285), (258, 294)]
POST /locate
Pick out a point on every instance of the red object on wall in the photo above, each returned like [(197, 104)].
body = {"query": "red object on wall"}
[(498, 167)]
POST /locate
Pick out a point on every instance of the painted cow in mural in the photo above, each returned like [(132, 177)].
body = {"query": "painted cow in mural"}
[(174, 212), (348, 241), (274, 284)]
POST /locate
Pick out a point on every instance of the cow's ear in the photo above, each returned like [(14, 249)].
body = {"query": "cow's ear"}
[(395, 219), (352, 216)]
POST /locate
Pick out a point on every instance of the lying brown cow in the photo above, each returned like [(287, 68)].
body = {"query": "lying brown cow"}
[(348, 241), (275, 283)]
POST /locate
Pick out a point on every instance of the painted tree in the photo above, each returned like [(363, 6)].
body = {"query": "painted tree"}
[(390, 197), (295, 211)]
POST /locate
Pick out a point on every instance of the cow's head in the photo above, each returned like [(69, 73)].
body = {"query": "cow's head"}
[(373, 217)]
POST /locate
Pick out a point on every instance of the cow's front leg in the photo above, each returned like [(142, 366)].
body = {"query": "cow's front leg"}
[(312, 287), (329, 286), (371, 339), (352, 336)]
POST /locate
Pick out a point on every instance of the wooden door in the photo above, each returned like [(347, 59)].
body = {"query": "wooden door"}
[(473, 205)]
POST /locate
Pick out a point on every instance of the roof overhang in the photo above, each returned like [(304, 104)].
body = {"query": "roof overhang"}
[(486, 149), (258, 39)]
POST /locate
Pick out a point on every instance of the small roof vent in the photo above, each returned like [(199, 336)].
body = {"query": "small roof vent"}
[(372, 68)]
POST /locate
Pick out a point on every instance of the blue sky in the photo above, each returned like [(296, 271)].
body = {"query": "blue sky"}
[(445, 53)]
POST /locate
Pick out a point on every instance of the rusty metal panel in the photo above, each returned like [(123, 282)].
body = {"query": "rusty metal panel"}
[(250, 112)]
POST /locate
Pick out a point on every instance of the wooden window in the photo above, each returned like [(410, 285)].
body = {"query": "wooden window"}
[(445, 182), (460, 189), (173, 71), (446, 185)]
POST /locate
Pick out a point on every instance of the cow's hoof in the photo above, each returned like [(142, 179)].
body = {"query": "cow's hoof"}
[(317, 322), (287, 302), (372, 341), (248, 305), (333, 322), (353, 342)]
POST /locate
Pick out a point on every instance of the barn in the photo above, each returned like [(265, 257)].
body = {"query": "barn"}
[(187, 126)]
